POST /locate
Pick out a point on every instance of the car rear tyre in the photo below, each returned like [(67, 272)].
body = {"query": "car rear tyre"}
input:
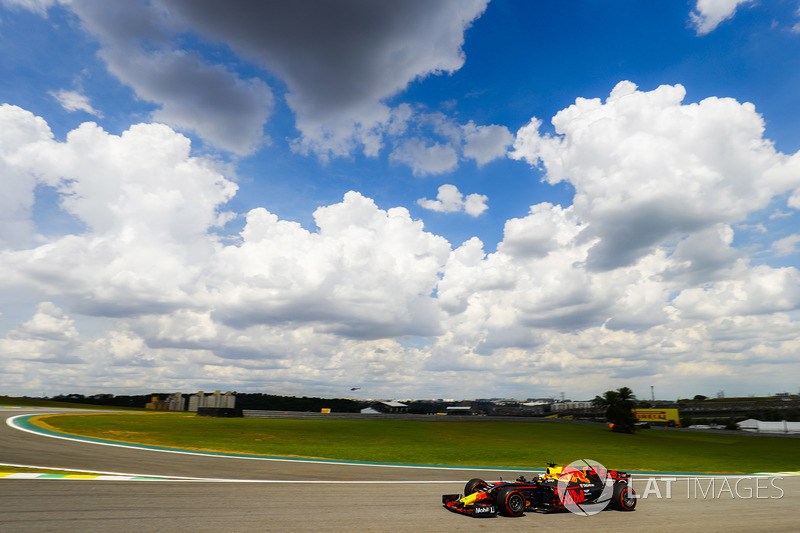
[(474, 485), (624, 498), (510, 502)]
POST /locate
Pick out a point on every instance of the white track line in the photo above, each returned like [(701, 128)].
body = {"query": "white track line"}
[(102, 473)]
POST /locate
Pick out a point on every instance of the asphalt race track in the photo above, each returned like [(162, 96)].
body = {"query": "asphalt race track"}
[(321, 497)]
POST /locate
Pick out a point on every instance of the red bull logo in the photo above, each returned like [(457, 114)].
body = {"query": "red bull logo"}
[(573, 475)]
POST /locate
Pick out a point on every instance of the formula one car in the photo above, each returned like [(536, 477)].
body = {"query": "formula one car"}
[(583, 490)]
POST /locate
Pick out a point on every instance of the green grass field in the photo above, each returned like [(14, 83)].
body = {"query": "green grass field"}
[(485, 443), (9, 401)]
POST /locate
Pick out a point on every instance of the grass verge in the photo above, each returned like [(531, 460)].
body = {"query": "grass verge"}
[(8, 401), (503, 444)]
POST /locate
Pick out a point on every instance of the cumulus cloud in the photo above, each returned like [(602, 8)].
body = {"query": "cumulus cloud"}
[(451, 200), (48, 337), (708, 14), (19, 129), (759, 290), (176, 299), (366, 273), (642, 267), (147, 204), (149, 207), (547, 228), (564, 301), (647, 168)]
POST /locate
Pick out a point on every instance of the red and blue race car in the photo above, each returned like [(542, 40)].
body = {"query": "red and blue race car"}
[(582, 490)]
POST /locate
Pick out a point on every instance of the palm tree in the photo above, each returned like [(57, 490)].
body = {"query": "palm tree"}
[(619, 406)]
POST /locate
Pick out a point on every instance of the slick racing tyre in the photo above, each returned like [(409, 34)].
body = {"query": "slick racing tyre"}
[(474, 485), (624, 497), (510, 502)]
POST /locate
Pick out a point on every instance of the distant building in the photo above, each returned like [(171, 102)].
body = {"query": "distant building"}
[(389, 407), (460, 410), (571, 406), (724, 409), (535, 407), (174, 402), (227, 400)]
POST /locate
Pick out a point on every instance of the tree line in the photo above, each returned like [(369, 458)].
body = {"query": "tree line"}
[(244, 400)]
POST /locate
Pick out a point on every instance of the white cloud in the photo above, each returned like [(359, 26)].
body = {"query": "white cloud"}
[(787, 245), (366, 273), (424, 158), (451, 200), (174, 298), (74, 101), (475, 204), (759, 290), (38, 6), (147, 295), (647, 168), (708, 14), (441, 142), (48, 337), (778, 214), (48, 324), (545, 229), (486, 143), (147, 204), (19, 130), (639, 275)]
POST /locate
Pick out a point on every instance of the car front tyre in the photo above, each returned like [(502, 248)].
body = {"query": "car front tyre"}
[(511, 502)]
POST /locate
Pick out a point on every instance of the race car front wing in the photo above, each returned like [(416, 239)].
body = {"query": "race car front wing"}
[(478, 508)]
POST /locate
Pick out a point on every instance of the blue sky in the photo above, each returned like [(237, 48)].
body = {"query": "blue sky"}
[(423, 199)]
